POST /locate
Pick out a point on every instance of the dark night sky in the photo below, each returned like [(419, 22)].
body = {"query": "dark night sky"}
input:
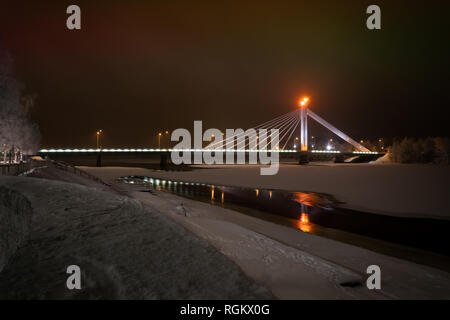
[(138, 67)]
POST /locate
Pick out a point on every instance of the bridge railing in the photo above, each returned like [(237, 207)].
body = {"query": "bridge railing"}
[(15, 169)]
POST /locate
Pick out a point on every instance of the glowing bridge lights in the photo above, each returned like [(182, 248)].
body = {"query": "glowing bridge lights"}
[(325, 151), (365, 152), (303, 102), (188, 150)]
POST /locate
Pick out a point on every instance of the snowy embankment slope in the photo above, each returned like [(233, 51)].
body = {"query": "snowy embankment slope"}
[(15, 218), (124, 249), (292, 264), (400, 190), (297, 265)]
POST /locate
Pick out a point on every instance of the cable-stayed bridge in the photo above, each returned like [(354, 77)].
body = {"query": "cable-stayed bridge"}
[(286, 125), (256, 139), (250, 140)]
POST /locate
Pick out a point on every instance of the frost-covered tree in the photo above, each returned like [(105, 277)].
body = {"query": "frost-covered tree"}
[(428, 150), (18, 134)]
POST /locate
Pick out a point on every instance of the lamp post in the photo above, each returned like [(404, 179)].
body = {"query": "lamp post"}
[(167, 134), (99, 132), (159, 140), (380, 144), (330, 144)]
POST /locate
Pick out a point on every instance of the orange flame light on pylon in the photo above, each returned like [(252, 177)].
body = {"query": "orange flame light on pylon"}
[(302, 103)]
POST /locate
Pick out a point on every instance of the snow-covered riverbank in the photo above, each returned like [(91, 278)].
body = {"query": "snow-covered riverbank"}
[(133, 244), (400, 190), (125, 249), (290, 263)]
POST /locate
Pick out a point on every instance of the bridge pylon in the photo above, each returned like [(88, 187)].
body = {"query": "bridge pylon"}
[(303, 113)]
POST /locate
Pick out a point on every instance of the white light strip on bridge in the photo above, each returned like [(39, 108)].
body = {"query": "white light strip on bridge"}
[(362, 152), (154, 150), (188, 150), (325, 151)]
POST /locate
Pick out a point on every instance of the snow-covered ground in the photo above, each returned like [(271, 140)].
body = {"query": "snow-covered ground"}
[(290, 263), (125, 249), (132, 244), (401, 190), (15, 217)]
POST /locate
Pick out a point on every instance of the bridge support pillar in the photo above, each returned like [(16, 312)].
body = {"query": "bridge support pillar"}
[(99, 159), (303, 158), (339, 158), (163, 161)]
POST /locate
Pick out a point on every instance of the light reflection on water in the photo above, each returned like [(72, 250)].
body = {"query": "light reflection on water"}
[(317, 214), (291, 207), (303, 222)]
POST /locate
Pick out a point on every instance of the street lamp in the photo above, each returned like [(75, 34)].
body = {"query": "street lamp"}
[(168, 140), (99, 132), (159, 140), (330, 144), (380, 144)]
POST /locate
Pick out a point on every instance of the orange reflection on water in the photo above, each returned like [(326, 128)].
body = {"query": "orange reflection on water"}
[(303, 223), (257, 192), (270, 194), (309, 199), (304, 218), (212, 193), (222, 198)]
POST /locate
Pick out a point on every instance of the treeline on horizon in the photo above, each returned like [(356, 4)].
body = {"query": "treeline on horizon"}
[(435, 150), (420, 150)]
